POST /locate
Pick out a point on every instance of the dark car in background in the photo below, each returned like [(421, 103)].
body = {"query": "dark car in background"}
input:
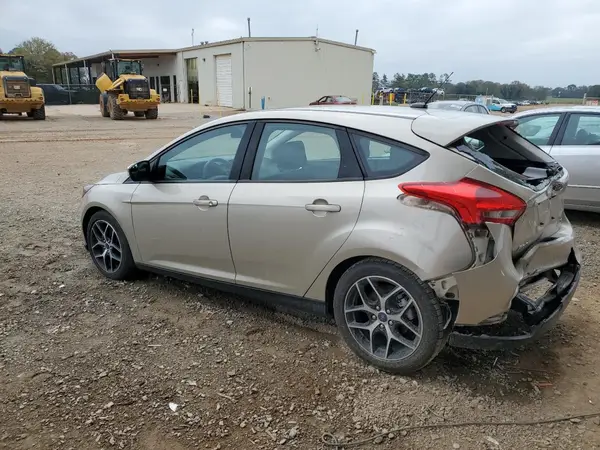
[(55, 94)]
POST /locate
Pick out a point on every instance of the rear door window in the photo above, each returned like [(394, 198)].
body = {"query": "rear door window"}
[(582, 129), (382, 158), (301, 152)]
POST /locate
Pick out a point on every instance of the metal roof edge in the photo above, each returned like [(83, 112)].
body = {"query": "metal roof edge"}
[(218, 44)]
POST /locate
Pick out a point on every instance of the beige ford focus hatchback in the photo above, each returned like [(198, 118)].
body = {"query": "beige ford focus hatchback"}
[(412, 228)]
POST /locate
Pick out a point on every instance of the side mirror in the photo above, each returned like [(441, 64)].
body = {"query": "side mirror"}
[(140, 171), (32, 82)]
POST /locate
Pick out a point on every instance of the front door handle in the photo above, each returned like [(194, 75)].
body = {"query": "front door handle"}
[(204, 201), (323, 207)]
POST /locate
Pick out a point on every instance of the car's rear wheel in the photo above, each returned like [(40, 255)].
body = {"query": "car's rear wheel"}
[(109, 248), (388, 316)]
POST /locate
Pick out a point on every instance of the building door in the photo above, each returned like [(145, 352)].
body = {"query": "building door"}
[(152, 83), (191, 66), (175, 88), (165, 89), (224, 80)]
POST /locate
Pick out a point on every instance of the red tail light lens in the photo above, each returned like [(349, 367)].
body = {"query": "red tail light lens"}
[(475, 202)]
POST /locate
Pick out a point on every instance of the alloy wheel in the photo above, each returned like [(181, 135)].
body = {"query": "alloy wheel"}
[(105, 246), (383, 318)]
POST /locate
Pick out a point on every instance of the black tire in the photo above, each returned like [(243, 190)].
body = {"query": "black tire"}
[(39, 114), (116, 113), (127, 268), (29, 114), (138, 113), (152, 113), (103, 107), (432, 317), (503, 110)]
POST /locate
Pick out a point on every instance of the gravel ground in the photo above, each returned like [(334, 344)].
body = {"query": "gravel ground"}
[(87, 363)]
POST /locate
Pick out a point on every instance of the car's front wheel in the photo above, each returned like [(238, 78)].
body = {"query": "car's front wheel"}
[(388, 316), (109, 248), (503, 110)]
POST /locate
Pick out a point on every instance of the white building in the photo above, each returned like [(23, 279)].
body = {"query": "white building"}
[(240, 73)]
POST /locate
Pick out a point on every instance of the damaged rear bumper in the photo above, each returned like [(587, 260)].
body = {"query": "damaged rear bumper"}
[(537, 315), (494, 310)]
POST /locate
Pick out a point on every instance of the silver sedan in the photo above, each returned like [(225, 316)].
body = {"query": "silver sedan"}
[(571, 135)]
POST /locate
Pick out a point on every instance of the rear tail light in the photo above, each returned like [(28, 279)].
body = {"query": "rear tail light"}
[(473, 201)]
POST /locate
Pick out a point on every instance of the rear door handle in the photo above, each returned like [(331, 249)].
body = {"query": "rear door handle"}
[(205, 201), (323, 207)]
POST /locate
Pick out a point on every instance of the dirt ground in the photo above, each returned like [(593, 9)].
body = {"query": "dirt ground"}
[(86, 363)]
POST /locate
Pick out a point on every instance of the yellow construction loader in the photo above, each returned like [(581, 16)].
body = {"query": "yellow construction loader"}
[(18, 93), (123, 88)]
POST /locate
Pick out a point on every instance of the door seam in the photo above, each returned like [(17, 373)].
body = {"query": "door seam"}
[(343, 243)]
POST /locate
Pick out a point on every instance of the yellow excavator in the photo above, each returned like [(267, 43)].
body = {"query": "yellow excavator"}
[(123, 88), (18, 93)]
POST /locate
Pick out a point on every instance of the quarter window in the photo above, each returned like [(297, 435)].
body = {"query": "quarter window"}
[(537, 129), (582, 129), (297, 152), (208, 156), (382, 159)]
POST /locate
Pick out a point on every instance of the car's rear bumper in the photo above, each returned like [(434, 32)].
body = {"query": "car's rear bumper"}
[(485, 291), (535, 316)]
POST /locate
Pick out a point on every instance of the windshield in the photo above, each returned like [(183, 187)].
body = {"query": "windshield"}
[(342, 99), (130, 67), (12, 63)]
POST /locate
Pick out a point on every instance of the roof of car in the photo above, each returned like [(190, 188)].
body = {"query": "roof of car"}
[(436, 125), (559, 109)]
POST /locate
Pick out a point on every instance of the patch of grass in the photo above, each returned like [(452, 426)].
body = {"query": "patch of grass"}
[(565, 101)]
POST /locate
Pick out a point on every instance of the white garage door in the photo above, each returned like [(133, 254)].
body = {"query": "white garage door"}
[(224, 83)]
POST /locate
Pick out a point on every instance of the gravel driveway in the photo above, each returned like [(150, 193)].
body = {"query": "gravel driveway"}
[(86, 363)]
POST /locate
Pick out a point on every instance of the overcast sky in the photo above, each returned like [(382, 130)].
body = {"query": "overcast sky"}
[(548, 42)]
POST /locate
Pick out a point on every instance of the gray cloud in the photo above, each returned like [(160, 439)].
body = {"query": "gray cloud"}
[(549, 42)]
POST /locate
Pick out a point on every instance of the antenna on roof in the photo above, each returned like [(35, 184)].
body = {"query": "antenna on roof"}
[(192, 37), (249, 33), (356, 38), (435, 91)]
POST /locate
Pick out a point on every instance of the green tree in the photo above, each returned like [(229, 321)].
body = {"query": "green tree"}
[(384, 81), (398, 81), (40, 55), (376, 82), (594, 91)]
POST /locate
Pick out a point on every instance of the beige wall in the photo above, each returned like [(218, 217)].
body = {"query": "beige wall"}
[(287, 73), (294, 73), (206, 72)]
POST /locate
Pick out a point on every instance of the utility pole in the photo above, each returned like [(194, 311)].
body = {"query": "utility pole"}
[(192, 37)]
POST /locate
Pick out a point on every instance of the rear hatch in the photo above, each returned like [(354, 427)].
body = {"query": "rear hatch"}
[(510, 162)]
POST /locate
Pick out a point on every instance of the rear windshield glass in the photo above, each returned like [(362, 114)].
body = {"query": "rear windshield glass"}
[(502, 150)]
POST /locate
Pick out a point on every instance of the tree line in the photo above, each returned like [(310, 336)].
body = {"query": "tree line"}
[(40, 55), (515, 90)]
